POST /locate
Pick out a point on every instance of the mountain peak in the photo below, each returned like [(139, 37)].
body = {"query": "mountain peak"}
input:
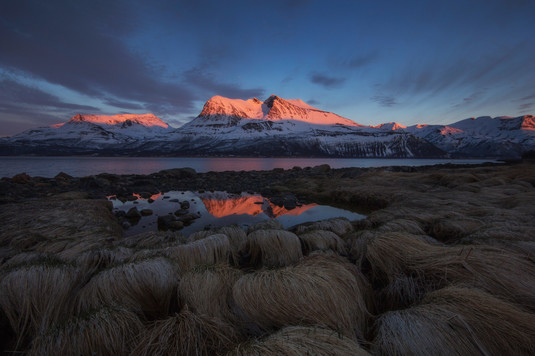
[(148, 120), (273, 108)]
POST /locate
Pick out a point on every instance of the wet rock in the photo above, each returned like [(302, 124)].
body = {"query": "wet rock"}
[(145, 195), (125, 225), (62, 176), (289, 201), (169, 222), (178, 172), (120, 214), (146, 212), (173, 200), (188, 218), (131, 197), (133, 214), (21, 178), (184, 205), (322, 168), (181, 212)]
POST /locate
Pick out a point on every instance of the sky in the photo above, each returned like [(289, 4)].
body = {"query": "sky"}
[(372, 61)]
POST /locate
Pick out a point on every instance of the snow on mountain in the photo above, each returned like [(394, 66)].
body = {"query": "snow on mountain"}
[(280, 127), (219, 112), (274, 127), (501, 136)]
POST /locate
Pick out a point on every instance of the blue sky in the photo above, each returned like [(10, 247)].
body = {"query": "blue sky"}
[(370, 61)]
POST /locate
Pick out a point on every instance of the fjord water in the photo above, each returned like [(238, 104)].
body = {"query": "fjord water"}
[(83, 166), (215, 209)]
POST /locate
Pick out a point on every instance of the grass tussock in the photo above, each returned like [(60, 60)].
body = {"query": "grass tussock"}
[(187, 333), (153, 240), (272, 248), (498, 271), (340, 226), (214, 249), (106, 331), (103, 258), (321, 290), (236, 236), (145, 287), (37, 296), (265, 225), (58, 225), (456, 321), (321, 240), (301, 340), (208, 290)]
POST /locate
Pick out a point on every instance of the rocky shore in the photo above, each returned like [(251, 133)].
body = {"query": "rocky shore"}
[(444, 263)]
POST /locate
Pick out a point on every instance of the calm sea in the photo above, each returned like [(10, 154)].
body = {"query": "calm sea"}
[(84, 166)]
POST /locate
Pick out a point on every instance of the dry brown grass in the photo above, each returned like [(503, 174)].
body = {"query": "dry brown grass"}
[(301, 341), (95, 260), (52, 226), (34, 297), (340, 226), (235, 234), (106, 331), (187, 333), (265, 225), (208, 290), (456, 321), (214, 249), (321, 240), (272, 248), (321, 290), (145, 287), (153, 240), (500, 272)]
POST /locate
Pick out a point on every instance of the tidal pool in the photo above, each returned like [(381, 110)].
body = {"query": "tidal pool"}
[(200, 210)]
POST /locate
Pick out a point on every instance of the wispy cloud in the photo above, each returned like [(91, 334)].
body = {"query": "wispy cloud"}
[(385, 100), (326, 81)]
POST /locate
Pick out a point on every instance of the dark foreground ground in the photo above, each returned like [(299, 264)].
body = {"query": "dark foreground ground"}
[(444, 263)]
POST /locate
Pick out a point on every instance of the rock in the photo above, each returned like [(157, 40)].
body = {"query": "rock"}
[(181, 212), (322, 168), (178, 172), (146, 212), (145, 195), (188, 218), (169, 222), (120, 214), (150, 200), (21, 178), (62, 176), (126, 225), (184, 205), (173, 200), (131, 197), (133, 214), (289, 201)]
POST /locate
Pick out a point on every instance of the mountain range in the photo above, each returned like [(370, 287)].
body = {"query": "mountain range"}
[(274, 127)]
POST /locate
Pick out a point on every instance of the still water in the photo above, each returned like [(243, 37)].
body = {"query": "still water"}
[(214, 209), (84, 166)]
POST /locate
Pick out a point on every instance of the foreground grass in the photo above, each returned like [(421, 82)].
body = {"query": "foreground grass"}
[(444, 264)]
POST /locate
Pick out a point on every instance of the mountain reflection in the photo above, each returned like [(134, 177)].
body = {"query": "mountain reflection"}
[(221, 204)]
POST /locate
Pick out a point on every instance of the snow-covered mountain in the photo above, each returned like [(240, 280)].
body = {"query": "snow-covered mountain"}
[(89, 133), (274, 127), (501, 136), (279, 127)]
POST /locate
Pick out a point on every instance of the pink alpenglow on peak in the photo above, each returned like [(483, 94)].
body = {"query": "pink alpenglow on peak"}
[(391, 126), (148, 120), (273, 109)]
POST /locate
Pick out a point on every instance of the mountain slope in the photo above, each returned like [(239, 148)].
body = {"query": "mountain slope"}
[(483, 136)]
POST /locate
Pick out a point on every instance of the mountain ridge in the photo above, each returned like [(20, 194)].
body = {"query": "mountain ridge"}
[(274, 127)]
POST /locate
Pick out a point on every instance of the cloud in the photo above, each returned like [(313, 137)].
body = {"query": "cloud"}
[(82, 49), (14, 94), (313, 102), (361, 61), (526, 106), (205, 80), (325, 80), (385, 100), (472, 98), (123, 104)]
